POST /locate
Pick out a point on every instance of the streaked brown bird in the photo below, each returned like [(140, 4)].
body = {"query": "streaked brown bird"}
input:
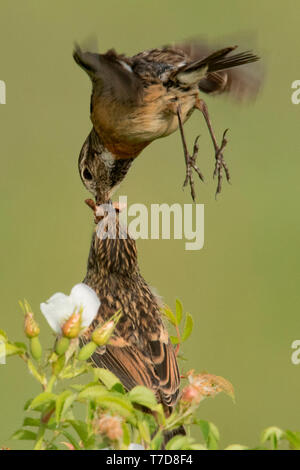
[(138, 99), (140, 352)]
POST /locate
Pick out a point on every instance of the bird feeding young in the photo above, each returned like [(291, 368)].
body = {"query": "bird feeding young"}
[(159, 221), (136, 100)]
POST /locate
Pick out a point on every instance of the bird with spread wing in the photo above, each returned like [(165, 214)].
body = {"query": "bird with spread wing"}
[(136, 100)]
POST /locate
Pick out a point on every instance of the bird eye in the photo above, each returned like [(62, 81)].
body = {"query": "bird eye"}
[(87, 175)]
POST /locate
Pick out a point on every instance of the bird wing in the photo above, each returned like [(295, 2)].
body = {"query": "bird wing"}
[(166, 368), (111, 75), (134, 367)]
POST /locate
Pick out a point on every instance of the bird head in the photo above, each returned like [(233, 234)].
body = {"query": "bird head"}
[(100, 172)]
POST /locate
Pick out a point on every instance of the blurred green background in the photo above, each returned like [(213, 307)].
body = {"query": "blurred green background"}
[(243, 286)]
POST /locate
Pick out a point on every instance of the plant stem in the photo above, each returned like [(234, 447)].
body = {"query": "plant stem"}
[(40, 437), (51, 383)]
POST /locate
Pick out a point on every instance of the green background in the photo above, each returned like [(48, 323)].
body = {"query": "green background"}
[(243, 286)]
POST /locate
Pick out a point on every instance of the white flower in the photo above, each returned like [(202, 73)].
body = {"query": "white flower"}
[(133, 446), (60, 307)]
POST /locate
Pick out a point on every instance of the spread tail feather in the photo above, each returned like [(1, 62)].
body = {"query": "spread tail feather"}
[(218, 61)]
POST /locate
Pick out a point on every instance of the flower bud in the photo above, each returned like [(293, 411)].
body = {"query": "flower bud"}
[(71, 328), (35, 348), (31, 327), (86, 351), (62, 345), (102, 334), (191, 394)]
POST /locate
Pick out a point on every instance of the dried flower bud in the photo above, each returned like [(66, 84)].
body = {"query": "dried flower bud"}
[(191, 394), (31, 327), (71, 328), (210, 385), (110, 426)]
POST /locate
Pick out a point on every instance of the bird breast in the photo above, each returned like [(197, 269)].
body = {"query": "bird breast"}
[(154, 117)]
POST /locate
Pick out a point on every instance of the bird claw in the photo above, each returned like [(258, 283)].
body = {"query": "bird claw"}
[(191, 164), (221, 164)]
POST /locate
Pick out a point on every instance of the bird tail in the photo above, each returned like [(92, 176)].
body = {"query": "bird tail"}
[(224, 63), (218, 61)]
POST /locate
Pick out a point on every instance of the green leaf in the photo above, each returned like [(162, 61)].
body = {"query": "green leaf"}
[(150, 420), (115, 402), (294, 439), (81, 428), (157, 441), (3, 336), (24, 435), (179, 311), (78, 387), (63, 402), (118, 388), (21, 345), (91, 392), (34, 422), (197, 447), (272, 434), (72, 440), (44, 398), (188, 327), (106, 377), (144, 430), (143, 396), (27, 404), (11, 349), (69, 372), (174, 339), (236, 447), (179, 442), (126, 434), (160, 415), (170, 315), (210, 433)]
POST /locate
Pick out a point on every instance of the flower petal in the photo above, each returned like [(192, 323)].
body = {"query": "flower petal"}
[(57, 310), (134, 446), (85, 297)]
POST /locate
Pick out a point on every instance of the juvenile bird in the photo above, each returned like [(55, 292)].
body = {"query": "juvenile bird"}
[(140, 352), (138, 99)]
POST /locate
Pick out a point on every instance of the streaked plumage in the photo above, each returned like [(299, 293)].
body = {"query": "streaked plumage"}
[(141, 352), (138, 99)]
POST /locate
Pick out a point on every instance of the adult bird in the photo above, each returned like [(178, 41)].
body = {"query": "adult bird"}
[(136, 100)]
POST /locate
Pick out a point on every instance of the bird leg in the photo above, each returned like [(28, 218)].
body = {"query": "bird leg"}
[(190, 160), (220, 162)]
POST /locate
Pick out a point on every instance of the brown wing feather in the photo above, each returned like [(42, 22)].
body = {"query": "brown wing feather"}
[(129, 365), (159, 373), (164, 359), (242, 83), (111, 75)]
